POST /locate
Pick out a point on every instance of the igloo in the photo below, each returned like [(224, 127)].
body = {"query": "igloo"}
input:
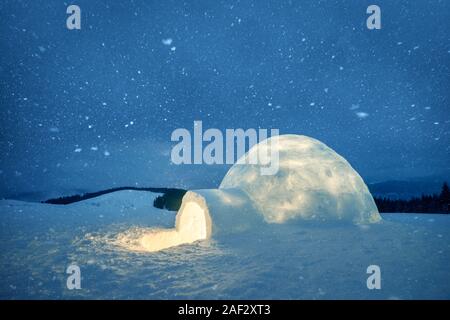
[(313, 182)]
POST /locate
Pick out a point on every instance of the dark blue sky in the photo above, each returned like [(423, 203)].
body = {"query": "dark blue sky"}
[(114, 91)]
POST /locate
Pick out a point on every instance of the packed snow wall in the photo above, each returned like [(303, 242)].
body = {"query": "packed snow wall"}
[(203, 214), (312, 182)]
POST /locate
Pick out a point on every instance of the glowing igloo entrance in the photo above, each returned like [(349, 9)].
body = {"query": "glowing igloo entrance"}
[(192, 223)]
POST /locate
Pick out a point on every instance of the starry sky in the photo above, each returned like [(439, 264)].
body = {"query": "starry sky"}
[(94, 108)]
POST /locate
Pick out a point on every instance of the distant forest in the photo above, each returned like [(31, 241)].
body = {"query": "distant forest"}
[(435, 203)]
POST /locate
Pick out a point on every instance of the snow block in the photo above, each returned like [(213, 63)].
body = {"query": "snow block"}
[(226, 211)]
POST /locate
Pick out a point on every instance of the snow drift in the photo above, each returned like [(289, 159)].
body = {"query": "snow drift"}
[(313, 183)]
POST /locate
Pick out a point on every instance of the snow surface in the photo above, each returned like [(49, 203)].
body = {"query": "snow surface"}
[(296, 260)]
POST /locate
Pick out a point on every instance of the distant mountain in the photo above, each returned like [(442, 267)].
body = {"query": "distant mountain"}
[(407, 189)]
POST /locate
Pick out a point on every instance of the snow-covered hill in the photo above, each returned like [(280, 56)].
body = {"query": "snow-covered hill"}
[(292, 260)]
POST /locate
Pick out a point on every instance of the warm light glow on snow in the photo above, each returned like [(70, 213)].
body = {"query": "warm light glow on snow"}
[(191, 225)]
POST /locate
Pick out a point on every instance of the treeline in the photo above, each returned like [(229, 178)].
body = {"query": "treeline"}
[(170, 200), (435, 203)]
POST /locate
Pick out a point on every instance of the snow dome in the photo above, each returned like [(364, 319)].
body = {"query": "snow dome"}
[(312, 182)]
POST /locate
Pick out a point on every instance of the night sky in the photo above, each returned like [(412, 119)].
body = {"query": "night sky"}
[(95, 108)]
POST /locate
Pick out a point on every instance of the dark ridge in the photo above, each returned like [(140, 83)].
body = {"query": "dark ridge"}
[(435, 203), (170, 198)]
